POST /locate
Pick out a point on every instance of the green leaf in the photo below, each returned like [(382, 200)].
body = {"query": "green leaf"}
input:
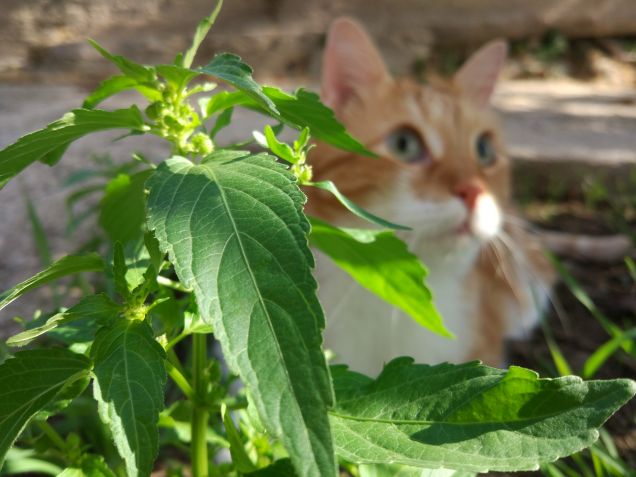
[(304, 109), (223, 100), (202, 30), (249, 265), (381, 263), (39, 234), (141, 73), (605, 351), (302, 139), (579, 293), (354, 208), (224, 119), (27, 461), (396, 470), (229, 68), (177, 76), (240, 459), (468, 417), (69, 265), (281, 149), (90, 465), (48, 144), (107, 88), (129, 386), (98, 308), (119, 271), (31, 381), (117, 84), (122, 211)]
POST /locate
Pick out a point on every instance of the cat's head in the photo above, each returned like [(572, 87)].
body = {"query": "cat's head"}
[(441, 168)]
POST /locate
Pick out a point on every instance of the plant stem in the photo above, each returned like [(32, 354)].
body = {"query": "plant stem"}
[(198, 443), (52, 434), (180, 380)]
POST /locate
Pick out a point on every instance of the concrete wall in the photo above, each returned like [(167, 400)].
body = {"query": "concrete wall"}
[(45, 40)]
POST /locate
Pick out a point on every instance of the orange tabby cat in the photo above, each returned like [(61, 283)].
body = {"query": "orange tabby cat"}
[(442, 170)]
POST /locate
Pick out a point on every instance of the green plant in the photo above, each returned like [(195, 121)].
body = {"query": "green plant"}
[(602, 458), (214, 241)]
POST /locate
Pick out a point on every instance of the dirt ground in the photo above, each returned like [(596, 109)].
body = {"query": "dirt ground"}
[(576, 331)]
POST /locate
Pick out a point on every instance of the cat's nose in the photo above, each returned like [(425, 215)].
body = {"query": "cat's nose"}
[(468, 192)]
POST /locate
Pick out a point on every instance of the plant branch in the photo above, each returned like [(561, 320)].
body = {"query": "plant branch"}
[(199, 446)]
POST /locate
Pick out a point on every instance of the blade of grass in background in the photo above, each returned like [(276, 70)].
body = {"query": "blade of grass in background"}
[(631, 267), (561, 364), (605, 351), (585, 300), (40, 239)]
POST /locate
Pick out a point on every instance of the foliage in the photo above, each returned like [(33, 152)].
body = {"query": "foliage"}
[(215, 242)]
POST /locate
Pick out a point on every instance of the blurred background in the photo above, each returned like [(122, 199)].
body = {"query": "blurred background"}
[(567, 102)]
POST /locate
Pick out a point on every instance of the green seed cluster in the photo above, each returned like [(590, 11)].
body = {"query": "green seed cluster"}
[(176, 121)]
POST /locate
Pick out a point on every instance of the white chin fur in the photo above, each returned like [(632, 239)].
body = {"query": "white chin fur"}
[(486, 218)]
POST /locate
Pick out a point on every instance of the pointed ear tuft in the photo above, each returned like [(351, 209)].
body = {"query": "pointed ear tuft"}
[(351, 63), (478, 76)]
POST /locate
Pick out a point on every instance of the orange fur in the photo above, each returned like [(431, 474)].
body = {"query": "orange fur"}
[(491, 269)]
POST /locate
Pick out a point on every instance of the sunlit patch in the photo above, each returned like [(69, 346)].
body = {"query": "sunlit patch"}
[(485, 222)]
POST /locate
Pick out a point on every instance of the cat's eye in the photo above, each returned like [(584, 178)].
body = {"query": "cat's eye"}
[(486, 154), (407, 145)]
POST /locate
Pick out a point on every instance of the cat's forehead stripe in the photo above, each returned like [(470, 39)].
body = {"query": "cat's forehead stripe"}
[(431, 135)]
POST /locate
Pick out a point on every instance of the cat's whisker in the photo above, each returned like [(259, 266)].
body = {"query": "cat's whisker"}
[(502, 265), (523, 264)]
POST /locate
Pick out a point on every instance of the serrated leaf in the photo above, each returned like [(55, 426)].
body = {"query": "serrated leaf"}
[(230, 69), (48, 144), (98, 308), (468, 417), (122, 210), (31, 381), (304, 109), (300, 110), (247, 260), (354, 208), (129, 388), (223, 100), (177, 76), (107, 88), (141, 73), (381, 262), (69, 265)]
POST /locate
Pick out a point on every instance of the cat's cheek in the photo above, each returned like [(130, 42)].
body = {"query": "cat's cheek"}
[(485, 222)]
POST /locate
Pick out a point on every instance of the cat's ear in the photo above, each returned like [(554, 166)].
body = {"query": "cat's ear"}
[(478, 76), (351, 63)]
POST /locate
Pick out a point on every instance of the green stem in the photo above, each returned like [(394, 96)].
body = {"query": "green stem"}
[(52, 434), (161, 280), (181, 381), (173, 342), (198, 445)]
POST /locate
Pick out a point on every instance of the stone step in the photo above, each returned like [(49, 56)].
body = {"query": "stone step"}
[(561, 132)]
